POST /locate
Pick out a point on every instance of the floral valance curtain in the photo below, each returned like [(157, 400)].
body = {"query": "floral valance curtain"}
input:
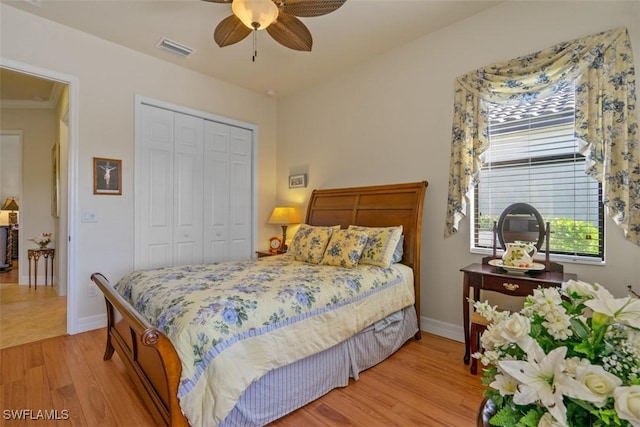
[(606, 120)]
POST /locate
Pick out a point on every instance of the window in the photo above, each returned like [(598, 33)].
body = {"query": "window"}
[(534, 158)]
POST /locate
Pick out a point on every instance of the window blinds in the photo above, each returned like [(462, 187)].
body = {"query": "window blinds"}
[(534, 158)]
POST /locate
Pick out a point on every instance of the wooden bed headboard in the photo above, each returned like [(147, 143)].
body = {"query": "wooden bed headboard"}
[(376, 206)]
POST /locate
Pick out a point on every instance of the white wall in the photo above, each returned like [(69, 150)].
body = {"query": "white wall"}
[(109, 76), (389, 121)]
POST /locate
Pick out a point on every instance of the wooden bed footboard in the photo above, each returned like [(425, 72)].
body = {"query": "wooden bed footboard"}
[(149, 356)]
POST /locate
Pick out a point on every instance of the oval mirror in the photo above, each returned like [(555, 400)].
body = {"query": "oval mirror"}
[(521, 222)]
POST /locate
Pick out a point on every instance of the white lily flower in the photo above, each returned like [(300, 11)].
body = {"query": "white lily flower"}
[(623, 310), (505, 384), (542, 378), (581, 288)]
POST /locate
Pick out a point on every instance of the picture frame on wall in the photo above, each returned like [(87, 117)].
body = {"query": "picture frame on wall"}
[(107, 176), (298, 181)]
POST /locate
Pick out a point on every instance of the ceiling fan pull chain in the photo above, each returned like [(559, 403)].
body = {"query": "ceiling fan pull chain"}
[(255, 45)]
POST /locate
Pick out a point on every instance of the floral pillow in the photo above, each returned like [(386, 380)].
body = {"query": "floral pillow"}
[(309, 243), (345, 248), (381, 244)]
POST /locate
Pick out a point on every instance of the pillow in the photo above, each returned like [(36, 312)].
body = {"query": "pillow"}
[(381, 244), (345, 248), (399, 251), (309, 243)]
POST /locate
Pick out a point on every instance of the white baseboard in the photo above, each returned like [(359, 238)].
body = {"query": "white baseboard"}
[(90, 323), (442, 329)]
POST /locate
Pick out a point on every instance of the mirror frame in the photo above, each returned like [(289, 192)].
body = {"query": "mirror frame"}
[(521, 208)]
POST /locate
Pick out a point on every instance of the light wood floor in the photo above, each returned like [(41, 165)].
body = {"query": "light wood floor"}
[(29, 314), (424, 384)]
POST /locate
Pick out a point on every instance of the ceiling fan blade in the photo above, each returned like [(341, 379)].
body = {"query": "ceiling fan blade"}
[(290, 32), (229, 31), (310, 8)]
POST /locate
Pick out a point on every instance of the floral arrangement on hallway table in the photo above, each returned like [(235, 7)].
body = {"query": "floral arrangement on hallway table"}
[(570, 357), (43, 240)]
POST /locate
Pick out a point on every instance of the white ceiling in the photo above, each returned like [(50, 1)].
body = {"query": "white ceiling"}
[(355, 32)]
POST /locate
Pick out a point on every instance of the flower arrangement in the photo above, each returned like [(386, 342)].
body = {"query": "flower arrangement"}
[(570, 357), (43, 240)]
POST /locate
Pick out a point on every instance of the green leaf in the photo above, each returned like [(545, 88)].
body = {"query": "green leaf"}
[(580, 328), (531, 419), (505, 417), (584, 348)]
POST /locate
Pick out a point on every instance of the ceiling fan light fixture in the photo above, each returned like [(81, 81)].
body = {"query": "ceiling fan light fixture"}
[(255, 14)]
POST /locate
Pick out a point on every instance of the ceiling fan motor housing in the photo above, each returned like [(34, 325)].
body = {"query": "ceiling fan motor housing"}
[(255, 14)]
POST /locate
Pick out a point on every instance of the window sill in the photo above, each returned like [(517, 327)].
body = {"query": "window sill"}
[(556, 258)]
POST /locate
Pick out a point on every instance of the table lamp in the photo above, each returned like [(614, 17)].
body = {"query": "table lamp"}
[(284, 215), (11, 204)]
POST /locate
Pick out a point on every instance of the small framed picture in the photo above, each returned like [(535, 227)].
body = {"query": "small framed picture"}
[(297, 181), (107, 176)]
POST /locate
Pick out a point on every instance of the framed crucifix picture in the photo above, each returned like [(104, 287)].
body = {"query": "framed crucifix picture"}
[(107, 176)]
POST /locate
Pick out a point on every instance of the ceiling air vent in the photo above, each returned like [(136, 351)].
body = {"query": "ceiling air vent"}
[(174, 47)]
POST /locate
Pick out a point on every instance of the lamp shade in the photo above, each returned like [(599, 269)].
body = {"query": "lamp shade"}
[(10, 204), (255, 14), (285, 215)]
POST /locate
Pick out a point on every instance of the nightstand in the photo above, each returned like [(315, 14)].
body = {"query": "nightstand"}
[(262, 254)]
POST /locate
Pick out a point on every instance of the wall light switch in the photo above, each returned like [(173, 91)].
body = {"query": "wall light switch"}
[(92, 290), (89, 216)]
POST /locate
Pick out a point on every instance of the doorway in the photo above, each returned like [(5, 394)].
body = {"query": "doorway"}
[(45, 205)]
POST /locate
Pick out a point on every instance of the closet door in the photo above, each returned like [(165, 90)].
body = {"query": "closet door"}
[(154, 188), (227, 192), (188, 163), (240, 193), (194, 194)]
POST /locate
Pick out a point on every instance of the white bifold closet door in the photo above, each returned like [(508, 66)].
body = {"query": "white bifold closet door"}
[(193, 190), (227, 193)]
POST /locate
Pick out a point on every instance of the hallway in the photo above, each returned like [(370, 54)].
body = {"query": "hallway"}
[(27, 314)]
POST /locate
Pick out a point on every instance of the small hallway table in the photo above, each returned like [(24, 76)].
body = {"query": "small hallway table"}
[(35, 254)]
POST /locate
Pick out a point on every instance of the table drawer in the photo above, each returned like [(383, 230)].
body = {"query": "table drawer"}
[(511, 285)]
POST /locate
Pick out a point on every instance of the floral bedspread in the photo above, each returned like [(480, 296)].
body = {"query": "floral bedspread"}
[(232, 322)]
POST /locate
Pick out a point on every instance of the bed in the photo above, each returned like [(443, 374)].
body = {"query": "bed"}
[(273, 390)]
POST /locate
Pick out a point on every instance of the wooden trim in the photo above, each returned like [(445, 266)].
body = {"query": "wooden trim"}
[(150, 358)]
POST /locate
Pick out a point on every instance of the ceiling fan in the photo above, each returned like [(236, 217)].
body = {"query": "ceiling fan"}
[(278, 17)]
